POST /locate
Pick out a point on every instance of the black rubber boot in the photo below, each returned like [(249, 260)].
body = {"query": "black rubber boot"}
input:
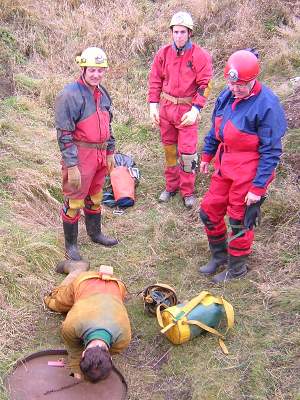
[(219, 258), (71, 234), (93, 228), (237, 268)]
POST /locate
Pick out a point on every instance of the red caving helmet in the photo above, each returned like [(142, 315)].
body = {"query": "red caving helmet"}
[(242, 66)]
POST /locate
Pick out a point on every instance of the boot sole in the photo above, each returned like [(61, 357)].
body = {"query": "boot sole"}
[(232, 278), (105, 245), (213, 272)]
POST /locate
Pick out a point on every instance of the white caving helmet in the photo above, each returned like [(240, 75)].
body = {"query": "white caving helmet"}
[(92, 57), (182, 18)]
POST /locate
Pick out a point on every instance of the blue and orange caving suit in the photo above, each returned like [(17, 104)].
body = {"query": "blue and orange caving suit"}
[(245, 140), (185, 74), (95, 308), (84, 118)]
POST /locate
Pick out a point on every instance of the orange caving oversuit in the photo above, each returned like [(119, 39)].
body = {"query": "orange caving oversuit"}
[(94, 306), (83, 119), (184, 75)]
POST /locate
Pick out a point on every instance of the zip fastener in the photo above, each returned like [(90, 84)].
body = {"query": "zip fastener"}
[(180, 65), (220, 157), (221, 132), (97, 101), (225, 119)]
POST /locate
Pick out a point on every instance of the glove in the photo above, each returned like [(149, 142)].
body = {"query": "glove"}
[(110, 162), (252, 214), (190, 117), (204, 167), (154, 113), (74, 177)]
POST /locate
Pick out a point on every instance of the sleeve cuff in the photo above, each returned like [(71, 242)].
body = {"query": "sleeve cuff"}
[(206, 157), (258, 190), (154, 99), (199, 108)]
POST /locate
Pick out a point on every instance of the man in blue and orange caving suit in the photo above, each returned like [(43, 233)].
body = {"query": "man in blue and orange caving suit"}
[(84, 132), (248, 123), (179, 83)]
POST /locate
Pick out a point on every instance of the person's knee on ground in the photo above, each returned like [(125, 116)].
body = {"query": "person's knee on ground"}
[(96, 364)]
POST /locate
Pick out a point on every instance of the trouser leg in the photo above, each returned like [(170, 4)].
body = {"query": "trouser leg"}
[(171, 168), (92, 212), (239, 248), (169, 138), (70, 216), (188, 157), (216, 234), (212, 211)]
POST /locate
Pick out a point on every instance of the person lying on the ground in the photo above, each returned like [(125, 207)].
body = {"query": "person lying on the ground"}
[(97, 322)]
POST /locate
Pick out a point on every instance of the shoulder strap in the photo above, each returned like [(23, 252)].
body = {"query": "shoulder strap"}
[(230, 321), (83, 101), (187, 308), (103, 90), (160, 321)]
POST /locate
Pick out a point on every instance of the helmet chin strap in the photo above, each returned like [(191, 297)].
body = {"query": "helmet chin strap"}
[(83, 71)]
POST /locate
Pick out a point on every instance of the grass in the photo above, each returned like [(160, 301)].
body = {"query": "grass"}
[(157, 242)]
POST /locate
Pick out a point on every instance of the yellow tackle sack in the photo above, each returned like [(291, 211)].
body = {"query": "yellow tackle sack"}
[(184, 321)]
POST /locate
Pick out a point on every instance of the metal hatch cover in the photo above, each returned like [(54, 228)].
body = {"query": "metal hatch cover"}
[(33, 379)]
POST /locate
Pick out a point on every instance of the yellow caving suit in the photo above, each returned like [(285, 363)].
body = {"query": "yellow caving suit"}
[(92, 302)]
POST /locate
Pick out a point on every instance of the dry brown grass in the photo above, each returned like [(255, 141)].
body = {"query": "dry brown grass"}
[(52, 33), (157, 242)]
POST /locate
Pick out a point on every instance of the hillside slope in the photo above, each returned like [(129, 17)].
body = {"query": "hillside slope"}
[(38, 42)]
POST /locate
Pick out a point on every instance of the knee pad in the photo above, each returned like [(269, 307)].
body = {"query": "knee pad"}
[(71, 207), (189, 162), (170, 155), (205, 219), (93, 202), (236, 225)]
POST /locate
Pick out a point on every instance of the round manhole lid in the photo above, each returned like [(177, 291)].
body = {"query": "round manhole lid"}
[(32, 378)]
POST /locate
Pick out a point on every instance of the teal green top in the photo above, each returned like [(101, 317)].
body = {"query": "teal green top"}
[(94, 334)]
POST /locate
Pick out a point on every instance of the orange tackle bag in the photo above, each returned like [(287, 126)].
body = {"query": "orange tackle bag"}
[(123, 185)]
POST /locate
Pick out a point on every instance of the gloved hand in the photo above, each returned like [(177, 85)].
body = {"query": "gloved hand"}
[(74, 177), (252, 215), (251, 198), (190, 117), (204, 167), (110, 162), (154, 113)]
